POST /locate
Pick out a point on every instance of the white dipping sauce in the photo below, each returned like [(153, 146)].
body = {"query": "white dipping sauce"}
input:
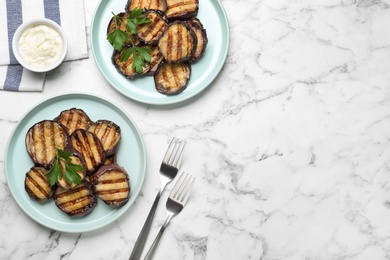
[(40, 45)]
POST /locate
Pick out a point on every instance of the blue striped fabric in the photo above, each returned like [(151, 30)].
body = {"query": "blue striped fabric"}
[(13, 78), (52, 10), (14, 19)]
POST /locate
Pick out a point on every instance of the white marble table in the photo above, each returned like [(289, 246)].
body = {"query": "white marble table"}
[(290, 144)]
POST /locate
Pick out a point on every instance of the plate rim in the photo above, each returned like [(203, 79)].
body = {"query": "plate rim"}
[(177, 99), (64, 96)]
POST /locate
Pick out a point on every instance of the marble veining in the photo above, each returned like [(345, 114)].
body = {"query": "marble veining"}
[(289, 144)]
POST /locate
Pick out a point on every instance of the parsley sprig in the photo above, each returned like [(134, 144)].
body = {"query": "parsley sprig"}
[(118, 38), (70, 169)]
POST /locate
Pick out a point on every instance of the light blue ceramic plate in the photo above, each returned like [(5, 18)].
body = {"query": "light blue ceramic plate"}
[(131, 155), (204, 71)]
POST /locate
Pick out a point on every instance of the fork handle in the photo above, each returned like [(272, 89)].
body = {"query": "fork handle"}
[(153, 247), (140, 243)]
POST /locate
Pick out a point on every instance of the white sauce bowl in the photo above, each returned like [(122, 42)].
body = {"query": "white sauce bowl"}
[(52, 62)]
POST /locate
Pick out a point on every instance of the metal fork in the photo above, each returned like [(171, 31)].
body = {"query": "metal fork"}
[(168, 171), (176, 201)]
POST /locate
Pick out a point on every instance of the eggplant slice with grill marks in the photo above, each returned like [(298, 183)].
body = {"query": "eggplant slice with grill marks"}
[(76, 202), (123, 26), (172, 78), (37, 185), (90, 147), (155, 59), (75, 158), (42, 140), (160, 5), (110, 159), (178, 42), (181, 9), (111, 184), (201, 36), (125, 67), (150, 33), (73, 119), (108, 133)]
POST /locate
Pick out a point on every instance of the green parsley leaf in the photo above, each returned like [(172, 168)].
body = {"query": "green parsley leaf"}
[(64, 154), (71, 170), (138, 63), (71, 175), (144, 53), (131, 27), (54, 173), (126, 54), (135, 13), (141, 20), (117, 39)]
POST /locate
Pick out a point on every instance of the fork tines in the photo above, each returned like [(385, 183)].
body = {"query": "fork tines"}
[(182, 189), (174, 153)]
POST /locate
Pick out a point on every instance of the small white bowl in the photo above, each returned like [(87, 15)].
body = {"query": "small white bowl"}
[(30, 24)]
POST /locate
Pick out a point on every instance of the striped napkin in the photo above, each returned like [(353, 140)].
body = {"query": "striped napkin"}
[(67, 13)]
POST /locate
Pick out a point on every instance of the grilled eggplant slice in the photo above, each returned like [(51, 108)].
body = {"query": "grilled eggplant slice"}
[(201, 38), (150, 33), (155, 59), (123, 26), (110, 159), (37, 185), (90, 147), (172, 78), (125, 67), (78, 201), (178, 42), (112, 185), (182, 9), (43, 138), (160, 5), (75, 158), (108, 133), (74, 119)]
